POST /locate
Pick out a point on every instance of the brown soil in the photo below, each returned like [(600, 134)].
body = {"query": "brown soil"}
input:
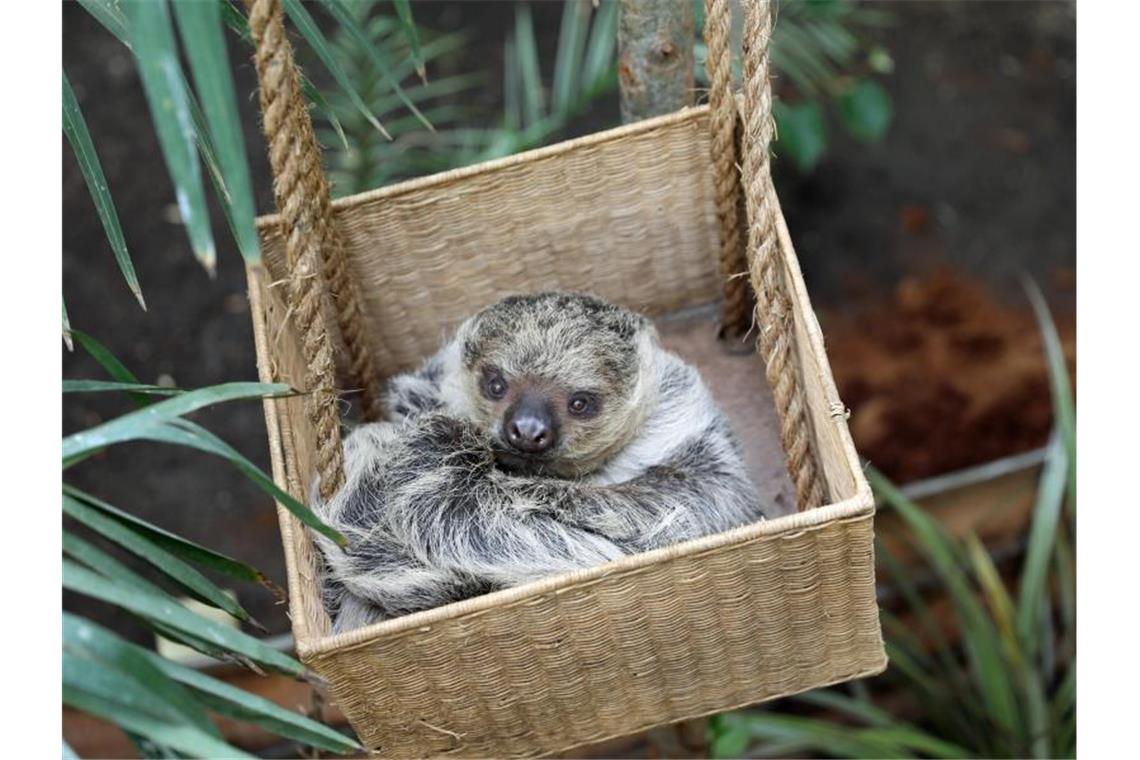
[(942, 376)]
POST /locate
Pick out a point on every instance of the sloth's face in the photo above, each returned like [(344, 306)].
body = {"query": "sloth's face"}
[(557, 380)]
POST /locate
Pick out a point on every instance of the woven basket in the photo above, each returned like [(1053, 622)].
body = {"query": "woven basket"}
[(638, 215)]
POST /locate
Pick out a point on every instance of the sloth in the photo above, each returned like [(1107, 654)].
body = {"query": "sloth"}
[(552, 433)]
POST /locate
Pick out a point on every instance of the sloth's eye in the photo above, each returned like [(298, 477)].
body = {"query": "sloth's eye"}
[(495, 386), (582, 404)]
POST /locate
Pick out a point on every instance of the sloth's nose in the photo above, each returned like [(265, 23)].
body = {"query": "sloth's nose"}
[(530, 430)]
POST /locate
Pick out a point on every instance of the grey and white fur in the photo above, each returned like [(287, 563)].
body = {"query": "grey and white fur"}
[(553, 433)]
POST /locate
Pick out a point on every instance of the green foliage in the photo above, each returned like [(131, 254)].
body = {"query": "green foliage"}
[(203, 35), (800, 132), (198, 125), (821, 57), (156, 54), (866, 110), (583, 70), (136, 689), (376, 55), (75, 129), (1008, 689)]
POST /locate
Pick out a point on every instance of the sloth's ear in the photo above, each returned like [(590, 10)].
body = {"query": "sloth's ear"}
[(626, 324)]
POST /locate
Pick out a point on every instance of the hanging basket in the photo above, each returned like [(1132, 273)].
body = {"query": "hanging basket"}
[(644, 215)]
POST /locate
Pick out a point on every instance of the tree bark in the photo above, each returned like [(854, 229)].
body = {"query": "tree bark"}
[(655, 57)]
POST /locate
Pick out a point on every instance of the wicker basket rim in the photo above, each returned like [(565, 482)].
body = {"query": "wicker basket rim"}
[(856, 507), (270, 222)]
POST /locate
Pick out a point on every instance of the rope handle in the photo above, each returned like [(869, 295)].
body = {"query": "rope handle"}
[(773, 311), (313, 244)]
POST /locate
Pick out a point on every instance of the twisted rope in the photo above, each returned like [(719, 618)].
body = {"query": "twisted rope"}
[(726, 183), (773, 308), (301, 194), (302, 191)]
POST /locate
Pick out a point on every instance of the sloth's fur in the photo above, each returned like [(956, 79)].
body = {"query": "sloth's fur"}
[(437, 508)]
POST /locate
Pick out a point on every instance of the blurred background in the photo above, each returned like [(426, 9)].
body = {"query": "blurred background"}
[(926, 159)]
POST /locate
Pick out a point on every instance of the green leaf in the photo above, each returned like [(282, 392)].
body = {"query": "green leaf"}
[(571, 46), (829, 699), (603, 40), (1063, 408), (110, 15), (527, 48), (408, 25), (834, 740), (900, 581), (312, 34), (979, 637), (215, 695), (512, 87), (898, 740), (184, 548), (800, 131), (997, 596), (115, 368), (108, 566), (1040, 545), (793, 52), (91, 642), (317, 99), (1065, 571), (232, 702), (948, 671), (191, 434), (1019, 645), (102, 386), (134, 424), (208, 153), (201, 27), (174, 568), (75, 128), (107, 12), (186, 433), (438, 88), (114, 696), (152, 40), (839, 44), (880, 61), (866, 110), (731, 743), (237, 22), (905, 734), (67, 339), (103, 563), (168, 612), (337, 10)]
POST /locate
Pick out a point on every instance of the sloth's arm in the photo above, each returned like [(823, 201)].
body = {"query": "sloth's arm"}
[(416, 392), (426, 495), (444, 500), (430, 520), (698, 490)]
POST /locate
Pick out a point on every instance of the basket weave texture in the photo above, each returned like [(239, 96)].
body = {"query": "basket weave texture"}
[(762, 611)]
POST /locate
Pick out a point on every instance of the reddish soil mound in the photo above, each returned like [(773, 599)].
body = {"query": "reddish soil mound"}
[(943, 376)]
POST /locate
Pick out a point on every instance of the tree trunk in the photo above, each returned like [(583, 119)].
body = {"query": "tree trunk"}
[(655, 57)]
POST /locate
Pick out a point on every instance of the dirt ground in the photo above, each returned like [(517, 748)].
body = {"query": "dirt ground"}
[(977, 174)]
